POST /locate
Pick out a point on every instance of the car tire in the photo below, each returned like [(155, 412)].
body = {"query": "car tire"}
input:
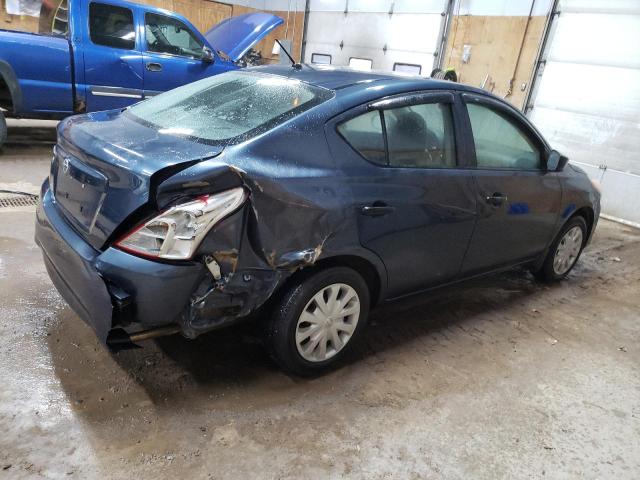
[(3, 129), (564, 251), (328, 308)]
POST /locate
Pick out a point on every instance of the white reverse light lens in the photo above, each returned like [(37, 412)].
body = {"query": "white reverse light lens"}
[(176, 233)]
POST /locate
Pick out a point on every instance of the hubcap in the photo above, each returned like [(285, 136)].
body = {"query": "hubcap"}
[(567, 251), (327, 322)]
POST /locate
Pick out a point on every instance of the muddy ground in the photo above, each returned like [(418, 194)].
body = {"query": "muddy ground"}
[(499, 378)]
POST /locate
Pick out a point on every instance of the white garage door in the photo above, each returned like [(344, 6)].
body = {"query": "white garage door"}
[(382, 35), (586, 98)]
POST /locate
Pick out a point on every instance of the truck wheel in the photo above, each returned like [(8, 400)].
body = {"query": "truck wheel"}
[(3, 129), (317, 320)]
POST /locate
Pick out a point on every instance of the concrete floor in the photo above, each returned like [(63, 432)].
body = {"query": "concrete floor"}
[(501, 378)]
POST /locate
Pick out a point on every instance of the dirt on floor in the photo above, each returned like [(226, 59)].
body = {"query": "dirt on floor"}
[(499, 378)]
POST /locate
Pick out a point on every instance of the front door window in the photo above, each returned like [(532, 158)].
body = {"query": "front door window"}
[(500, 143), (168, 35)]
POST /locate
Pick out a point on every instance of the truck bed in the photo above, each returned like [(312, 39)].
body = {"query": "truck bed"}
[(41, 66)]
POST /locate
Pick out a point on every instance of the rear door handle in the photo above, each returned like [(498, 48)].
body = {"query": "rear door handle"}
[(496, 199), (377, 210), (154, 67)]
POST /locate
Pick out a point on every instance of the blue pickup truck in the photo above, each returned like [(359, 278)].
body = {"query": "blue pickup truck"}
[(103, 54)]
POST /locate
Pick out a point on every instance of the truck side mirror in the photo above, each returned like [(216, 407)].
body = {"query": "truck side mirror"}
[(556, 161), (207, 55)]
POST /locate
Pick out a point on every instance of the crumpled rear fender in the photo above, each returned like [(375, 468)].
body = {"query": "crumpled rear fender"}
[(285, 225)]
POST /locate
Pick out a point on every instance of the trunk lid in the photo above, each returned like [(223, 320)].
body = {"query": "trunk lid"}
[(236, 35), (106, 166)]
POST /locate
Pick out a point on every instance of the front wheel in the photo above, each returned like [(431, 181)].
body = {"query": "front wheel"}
[(317, 320), (565, 251)]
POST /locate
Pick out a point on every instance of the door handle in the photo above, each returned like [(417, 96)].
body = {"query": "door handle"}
[(496, 199), (378, 209), (154, 67)]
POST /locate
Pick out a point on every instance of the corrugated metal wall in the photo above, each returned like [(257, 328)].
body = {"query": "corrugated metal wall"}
[(586, 99), (384, 31)]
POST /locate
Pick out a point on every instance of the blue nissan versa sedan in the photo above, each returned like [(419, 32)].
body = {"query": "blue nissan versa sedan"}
[(306, 194)]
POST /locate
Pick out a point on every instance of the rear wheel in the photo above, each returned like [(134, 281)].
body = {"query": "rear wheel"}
[(317, 320), (565, 250)]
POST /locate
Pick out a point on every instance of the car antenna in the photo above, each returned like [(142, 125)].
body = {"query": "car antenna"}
[(294, 64)]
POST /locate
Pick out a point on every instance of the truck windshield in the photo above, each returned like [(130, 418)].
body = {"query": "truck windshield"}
[(229, 106)]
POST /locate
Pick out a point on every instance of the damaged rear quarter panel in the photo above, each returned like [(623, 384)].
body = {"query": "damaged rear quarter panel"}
[(299, 211)]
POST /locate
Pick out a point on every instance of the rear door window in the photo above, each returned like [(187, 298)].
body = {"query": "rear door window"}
[(421, 136), (111, 26), (413, 136), (364, 133)]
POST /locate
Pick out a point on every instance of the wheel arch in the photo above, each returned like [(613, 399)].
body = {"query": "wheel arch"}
[(370, 272), (10, 93), (588, 214), (585, 212)]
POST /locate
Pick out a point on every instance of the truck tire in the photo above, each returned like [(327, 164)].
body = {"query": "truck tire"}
[(3, 130)]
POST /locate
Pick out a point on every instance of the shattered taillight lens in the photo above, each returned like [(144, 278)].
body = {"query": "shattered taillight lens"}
[(176, 233)]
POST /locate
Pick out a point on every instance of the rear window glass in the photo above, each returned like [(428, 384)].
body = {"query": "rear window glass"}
[(228, 106), (364, 133)]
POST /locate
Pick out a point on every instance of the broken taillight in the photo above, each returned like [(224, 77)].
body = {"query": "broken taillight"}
[(176, 233)]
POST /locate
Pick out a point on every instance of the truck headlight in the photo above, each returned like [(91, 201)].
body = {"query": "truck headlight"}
[(176, 233)]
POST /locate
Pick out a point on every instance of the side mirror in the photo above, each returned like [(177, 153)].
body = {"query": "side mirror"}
[(207, 55), (556, 161)]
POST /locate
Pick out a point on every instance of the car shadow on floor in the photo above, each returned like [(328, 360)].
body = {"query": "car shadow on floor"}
[(230, 368), (236, 355)]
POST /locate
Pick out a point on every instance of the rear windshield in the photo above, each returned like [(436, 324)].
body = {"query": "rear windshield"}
[(229, 106)]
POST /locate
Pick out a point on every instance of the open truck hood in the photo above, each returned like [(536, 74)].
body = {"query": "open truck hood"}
[(107, 166), (236, 35)]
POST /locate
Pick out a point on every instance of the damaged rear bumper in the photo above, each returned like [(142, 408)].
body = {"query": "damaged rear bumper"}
[(112, 288)]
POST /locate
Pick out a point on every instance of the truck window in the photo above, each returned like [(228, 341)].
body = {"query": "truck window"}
[(111, 26), (54, 18), (168, 35)]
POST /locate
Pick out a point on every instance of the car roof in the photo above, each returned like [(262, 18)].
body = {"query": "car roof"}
[(356, 87), (326, 76), (338, 78), (353, 87)]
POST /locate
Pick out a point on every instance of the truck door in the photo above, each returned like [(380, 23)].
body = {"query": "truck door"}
[(174, 54), (112, 63)]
